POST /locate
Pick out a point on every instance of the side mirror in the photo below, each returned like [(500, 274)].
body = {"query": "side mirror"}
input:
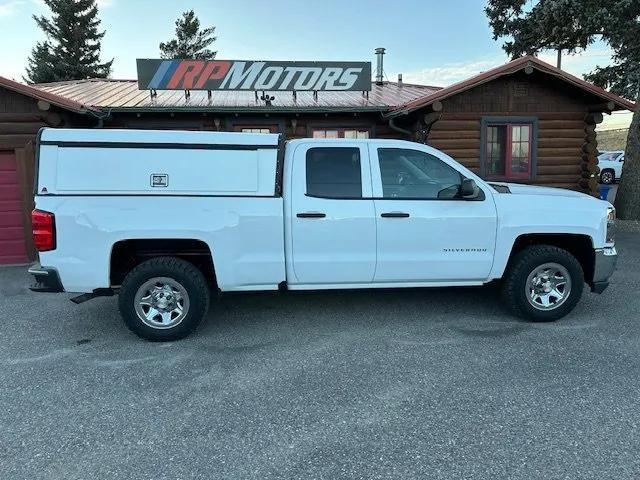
[(469, 189)]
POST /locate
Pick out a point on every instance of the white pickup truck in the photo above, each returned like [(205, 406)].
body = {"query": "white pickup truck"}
[(165, 218), (610, 164)]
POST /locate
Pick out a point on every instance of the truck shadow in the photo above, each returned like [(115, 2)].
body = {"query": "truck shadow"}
[(470, 311)]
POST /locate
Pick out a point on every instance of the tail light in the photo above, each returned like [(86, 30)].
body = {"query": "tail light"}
[(44, 230)]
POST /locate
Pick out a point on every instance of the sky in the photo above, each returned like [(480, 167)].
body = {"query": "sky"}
[(430, 42)]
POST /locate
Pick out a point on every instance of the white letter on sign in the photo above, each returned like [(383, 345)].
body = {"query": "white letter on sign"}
[(348, 78), (308, 78), (238, 74), (328, 79), (290, 72), (266, 83)]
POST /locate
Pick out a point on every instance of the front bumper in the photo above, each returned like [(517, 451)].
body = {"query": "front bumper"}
[(47, 279), (605, 264)]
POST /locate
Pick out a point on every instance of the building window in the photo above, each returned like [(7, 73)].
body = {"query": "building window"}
[(255, 130), (341, 133), (508, 150), (334, 172)]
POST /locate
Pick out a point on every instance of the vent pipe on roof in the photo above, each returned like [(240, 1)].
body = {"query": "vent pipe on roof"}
[(400, 79), (379, 65)]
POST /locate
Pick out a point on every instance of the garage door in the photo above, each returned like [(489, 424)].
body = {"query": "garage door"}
[(12, 242)]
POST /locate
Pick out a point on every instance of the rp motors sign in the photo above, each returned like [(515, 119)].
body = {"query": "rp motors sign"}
[(154, 74)]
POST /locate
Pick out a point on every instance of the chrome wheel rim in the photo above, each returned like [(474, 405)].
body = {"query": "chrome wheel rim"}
[(607, 177), (161, 302), (548, 286)]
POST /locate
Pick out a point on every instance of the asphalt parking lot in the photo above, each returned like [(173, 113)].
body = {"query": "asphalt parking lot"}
[(331, 385)]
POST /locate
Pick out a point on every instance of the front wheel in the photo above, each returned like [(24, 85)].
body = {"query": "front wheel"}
[(543, 283), (164, 299)]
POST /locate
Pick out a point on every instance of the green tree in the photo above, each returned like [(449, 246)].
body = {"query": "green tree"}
[(190, 41), (72, 48), (573, 25)]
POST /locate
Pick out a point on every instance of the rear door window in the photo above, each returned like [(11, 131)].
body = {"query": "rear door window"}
[(334, 172)]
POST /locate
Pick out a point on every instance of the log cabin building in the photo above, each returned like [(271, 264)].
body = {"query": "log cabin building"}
[(525, 121)]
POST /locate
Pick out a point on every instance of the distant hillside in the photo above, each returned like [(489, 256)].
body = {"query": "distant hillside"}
[(612, 139)]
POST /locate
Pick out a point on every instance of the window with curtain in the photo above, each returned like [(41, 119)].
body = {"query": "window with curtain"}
[(508, 150)]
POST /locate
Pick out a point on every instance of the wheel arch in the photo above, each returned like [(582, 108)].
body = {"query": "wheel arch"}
[(127, 253), (581, 246)]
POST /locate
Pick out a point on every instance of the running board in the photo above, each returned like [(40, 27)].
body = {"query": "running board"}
[(98, 292)]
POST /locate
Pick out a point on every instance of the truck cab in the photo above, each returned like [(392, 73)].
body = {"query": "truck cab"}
[(384, 212)]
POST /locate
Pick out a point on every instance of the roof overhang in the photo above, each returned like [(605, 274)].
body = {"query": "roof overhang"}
[(40, 95), (528, 64), (259, 110)]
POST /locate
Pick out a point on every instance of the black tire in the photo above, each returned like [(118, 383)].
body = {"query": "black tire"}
[(523, 264), (182, 272), (607, 177)]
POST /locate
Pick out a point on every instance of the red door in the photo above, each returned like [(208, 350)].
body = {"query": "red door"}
[(13, 248)]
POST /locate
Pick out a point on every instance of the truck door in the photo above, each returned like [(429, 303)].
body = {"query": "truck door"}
[(425, 231), (331, 215)]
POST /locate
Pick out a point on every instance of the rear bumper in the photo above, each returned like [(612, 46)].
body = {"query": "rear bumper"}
[(605, 264), (46, 279)]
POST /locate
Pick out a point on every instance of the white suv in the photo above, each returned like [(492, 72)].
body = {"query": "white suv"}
[(610, 164)]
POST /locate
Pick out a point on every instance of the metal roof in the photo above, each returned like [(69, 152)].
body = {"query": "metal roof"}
[(507, 69), (44, 95), (124, 95)]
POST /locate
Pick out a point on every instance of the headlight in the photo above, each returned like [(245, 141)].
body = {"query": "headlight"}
[(611, 225)]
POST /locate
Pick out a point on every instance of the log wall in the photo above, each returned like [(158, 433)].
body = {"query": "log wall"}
[(566, 142)]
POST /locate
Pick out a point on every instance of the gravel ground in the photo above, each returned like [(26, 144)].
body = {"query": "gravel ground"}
[(628, 226), (430, 384)]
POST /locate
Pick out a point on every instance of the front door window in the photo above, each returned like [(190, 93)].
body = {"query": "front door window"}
[(410, 173)]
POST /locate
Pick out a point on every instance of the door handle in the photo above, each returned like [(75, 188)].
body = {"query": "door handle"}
[(311, 215), (394, 215)]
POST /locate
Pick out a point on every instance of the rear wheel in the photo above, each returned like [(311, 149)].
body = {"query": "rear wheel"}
[(607, 177), (164, 299), (543, 283)]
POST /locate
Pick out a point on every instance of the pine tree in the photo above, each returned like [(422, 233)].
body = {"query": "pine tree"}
[(573, 25), (190, 41), (72, 48)]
